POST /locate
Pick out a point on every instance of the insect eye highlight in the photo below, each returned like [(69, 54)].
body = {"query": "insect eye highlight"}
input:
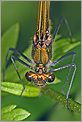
[(28, 76), (51, 78)]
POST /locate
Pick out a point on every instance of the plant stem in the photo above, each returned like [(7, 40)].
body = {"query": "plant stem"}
[(54, 95)]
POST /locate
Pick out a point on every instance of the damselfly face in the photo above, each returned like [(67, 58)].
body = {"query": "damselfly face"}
[(39, 79)]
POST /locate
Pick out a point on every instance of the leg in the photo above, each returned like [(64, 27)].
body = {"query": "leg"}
[(63, 57), (60, 68), (67, 66), (70, 66), (62, 19), (19, 54), (13, 61), (16, 54), (60, 59)]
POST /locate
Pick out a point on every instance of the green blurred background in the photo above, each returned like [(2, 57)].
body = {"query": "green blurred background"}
[(25, 13)]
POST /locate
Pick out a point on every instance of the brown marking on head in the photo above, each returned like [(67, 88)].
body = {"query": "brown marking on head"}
[(39, 79)]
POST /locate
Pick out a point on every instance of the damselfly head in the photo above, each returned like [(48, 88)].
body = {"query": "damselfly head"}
[(39, 79)]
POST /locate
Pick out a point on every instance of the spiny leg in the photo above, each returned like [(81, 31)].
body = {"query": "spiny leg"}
[(67, 78), (63, 67), (70, 66), (61, 20), (17, 53), (20, 54), (13, 61), (63, 57), (13, 58), (67, 95)]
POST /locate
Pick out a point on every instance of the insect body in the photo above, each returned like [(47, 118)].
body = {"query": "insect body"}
[(41, 55), (42, 48), (40, 73)]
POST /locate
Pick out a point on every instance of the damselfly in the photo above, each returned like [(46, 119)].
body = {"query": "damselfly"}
[(41, 73)]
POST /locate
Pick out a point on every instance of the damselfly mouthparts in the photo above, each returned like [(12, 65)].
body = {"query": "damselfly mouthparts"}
[(40, 73)]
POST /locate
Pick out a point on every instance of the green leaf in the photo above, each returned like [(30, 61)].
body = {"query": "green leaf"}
[(62, 46), (8, 108), (13, 113), (14, 88), (54, 95), (9, 39)]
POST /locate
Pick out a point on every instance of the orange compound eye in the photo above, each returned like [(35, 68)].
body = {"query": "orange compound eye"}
[(51, 78)]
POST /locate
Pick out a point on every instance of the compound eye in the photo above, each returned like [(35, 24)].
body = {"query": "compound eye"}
[(28, 76), (51, 78)]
